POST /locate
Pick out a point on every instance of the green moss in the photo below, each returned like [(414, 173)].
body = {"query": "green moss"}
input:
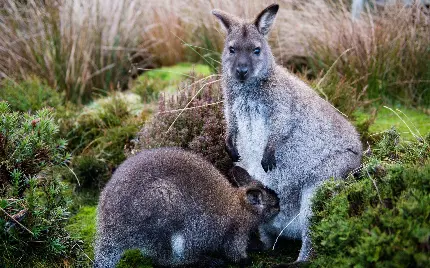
[(417, 121), (83, 226), (381, 218), (134, 259), (166, 79), (178, 72), (29, 95)]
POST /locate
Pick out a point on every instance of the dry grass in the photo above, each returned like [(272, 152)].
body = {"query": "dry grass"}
[(82, 47), (385, 53)]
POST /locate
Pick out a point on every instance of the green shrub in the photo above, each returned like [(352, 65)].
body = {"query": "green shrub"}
[(200, 127), (29, 95), (98, 134), (381, 218), (89, 171), (33, 207), (28, 144)]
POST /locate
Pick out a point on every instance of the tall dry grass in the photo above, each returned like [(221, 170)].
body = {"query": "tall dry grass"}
[(385, 53), (84, 47)]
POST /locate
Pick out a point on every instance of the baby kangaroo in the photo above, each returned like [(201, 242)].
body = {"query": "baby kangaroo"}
[(279, 129), (178, 209)]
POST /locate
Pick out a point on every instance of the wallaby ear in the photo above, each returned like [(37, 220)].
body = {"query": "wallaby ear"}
[(227, 20), (265, 19), (239, 177), (254, 196)]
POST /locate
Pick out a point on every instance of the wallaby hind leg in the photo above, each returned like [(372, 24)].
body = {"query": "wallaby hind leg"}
[(305, 214), (107, 256)]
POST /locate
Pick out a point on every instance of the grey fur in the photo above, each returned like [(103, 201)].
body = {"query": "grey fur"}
[(277, 123), (177, 208)]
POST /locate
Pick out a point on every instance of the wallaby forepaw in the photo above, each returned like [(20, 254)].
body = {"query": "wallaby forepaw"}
[(233, 153), (269, 161)]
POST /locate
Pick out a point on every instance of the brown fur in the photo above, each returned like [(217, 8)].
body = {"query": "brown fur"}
[(178, 209)]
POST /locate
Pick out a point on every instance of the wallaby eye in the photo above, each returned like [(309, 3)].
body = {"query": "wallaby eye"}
[(231, 50), (257, 51)]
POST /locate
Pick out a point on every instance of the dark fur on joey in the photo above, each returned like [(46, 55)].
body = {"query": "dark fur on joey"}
[(179, 210)]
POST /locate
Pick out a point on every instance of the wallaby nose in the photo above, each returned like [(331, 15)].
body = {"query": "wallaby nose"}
[(241, 72)]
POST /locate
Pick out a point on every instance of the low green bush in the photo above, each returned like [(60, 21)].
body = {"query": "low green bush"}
[(89, 172), (29, 95), (33, 207), (97, 136), (381, 218), (200, 127)]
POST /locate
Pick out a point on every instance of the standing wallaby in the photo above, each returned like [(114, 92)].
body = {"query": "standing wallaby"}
[(178, 209), (279, 129)]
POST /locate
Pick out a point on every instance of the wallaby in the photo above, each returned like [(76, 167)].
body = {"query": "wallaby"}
[(278, 128), (178, 209)]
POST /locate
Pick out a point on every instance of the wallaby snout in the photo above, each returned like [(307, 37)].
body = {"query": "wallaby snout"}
[(241, 72)]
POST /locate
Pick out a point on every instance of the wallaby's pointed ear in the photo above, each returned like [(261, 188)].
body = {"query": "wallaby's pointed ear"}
[(265, 19), (227, 20), (254, 196)]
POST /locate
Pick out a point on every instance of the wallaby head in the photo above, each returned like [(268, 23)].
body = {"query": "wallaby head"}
[(258, 199), (247, 56)]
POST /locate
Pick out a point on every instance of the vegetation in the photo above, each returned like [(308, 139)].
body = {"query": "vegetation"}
[(383, 54), (63, 63), (385, 57), (199, 127), (97, 136), (33, 207), (166, 79), (29, 95), (383, 216)]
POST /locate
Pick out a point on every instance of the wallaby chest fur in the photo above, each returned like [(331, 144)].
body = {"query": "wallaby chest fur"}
[(279, 129), (176, 208)]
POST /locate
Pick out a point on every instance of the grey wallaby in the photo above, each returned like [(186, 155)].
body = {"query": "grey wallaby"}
[(278, 128), (178, 209)]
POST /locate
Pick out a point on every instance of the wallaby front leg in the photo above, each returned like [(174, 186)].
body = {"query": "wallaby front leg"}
[(281, 130), (231, 148), (269, 161)]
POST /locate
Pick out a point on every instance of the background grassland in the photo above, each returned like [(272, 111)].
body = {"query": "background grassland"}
[(85, 47)]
